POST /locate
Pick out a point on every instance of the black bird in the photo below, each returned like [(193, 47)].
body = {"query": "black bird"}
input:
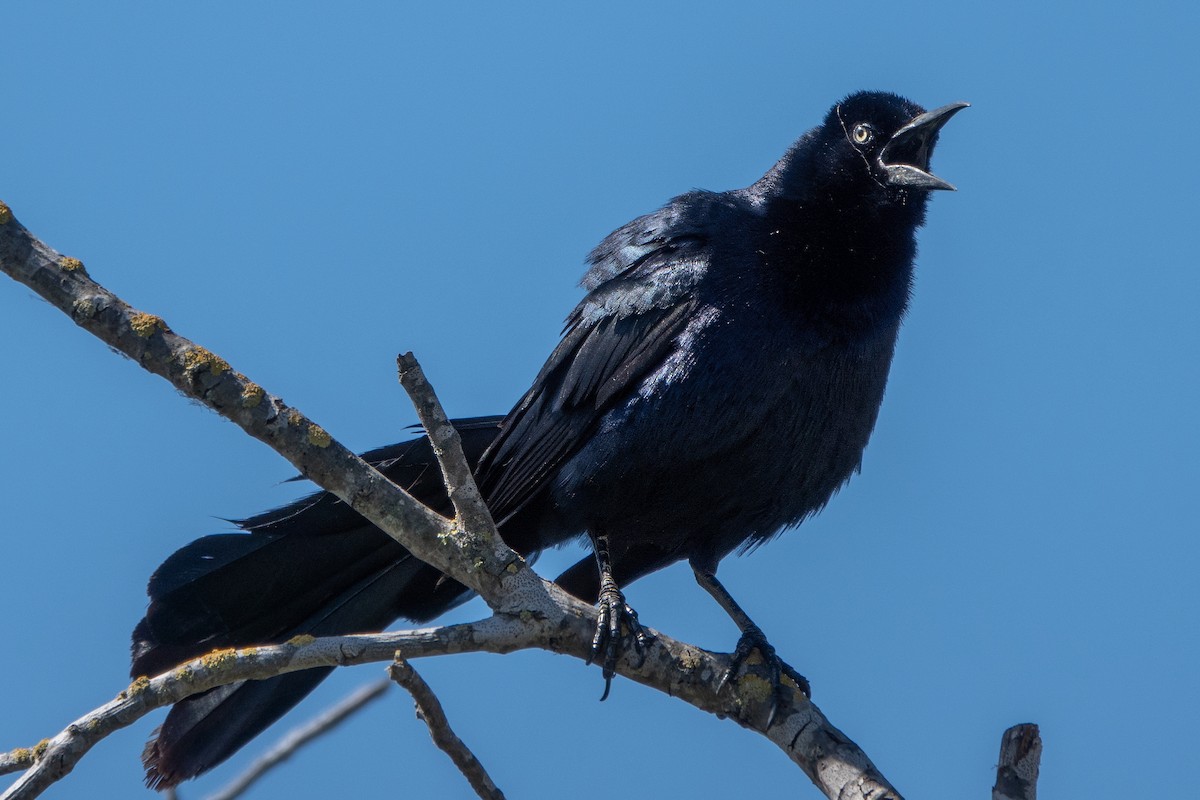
[(716, 385)]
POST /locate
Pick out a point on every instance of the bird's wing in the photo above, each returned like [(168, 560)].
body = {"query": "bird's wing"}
[(641, 298)]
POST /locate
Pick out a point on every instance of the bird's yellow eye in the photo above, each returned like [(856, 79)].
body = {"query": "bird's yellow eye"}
[(862, 133)]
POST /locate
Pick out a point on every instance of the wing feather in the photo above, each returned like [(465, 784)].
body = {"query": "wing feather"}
[(642, 296)]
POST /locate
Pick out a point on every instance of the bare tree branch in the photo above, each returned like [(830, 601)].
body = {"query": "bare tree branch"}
[(287, 746), (1020, 760), (833, 762), (530, 612), (469, 508), (208, 378), (55, 759), (19, 759), (429, 710)]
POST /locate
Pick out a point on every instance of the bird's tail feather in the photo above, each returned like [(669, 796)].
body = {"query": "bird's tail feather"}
[(313, 567)]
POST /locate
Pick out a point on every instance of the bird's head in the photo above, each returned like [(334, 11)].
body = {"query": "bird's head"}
[(877, 145)]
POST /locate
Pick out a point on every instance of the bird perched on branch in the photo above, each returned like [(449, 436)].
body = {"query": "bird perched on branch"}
[(715, 386)]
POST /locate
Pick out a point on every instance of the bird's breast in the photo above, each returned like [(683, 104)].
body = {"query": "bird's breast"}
[(746, 429)]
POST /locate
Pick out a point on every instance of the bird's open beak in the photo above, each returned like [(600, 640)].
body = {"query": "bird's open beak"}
[(905, 157)]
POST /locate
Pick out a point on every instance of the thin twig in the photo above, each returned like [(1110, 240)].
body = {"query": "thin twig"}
[(295, 739), (17, 760), (429, 710), (1020, 760), (468, 504), (57, 757), (522, 590)]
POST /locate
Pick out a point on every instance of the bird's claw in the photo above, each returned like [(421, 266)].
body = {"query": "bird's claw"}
[(606, 643), (753, 639)]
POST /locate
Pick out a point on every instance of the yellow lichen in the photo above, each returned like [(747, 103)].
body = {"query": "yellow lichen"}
[(219, 658), (301, 640), (689, 659), (146, 324), (184, 673), (753, 689), (318, 437), (40, 748), (5, 213), (787, 679), (198, 358), (295, 417), (84, 308), (139, 685), (252, 395), (22, 755), (69, 264)]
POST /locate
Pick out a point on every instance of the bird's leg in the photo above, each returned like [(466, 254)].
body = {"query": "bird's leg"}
[(752, 638), (613, 611)]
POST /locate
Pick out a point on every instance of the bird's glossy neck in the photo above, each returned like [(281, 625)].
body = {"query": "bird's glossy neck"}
[(841, 265)]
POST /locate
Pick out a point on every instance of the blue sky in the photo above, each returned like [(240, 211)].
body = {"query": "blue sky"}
[(308, 192)]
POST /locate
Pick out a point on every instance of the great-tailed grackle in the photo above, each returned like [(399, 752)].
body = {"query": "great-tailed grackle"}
[(716, 385)]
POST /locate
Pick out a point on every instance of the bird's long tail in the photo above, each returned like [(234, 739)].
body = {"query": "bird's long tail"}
[(313, 567)]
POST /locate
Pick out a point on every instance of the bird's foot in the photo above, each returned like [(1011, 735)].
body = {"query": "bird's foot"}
[(752, 639), (606, 644)]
